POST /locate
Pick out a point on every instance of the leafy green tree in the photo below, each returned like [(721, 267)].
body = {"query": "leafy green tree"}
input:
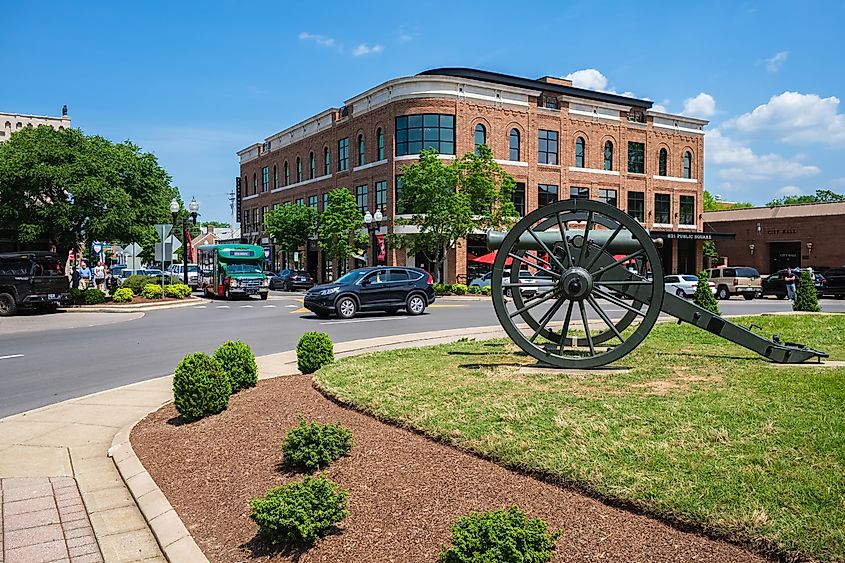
[(703, 296), (216, 224), (710, 204), (66, 187), (806, 298), (710, 252), (291, 226), (449, 202), (821, 196), (339, 231)]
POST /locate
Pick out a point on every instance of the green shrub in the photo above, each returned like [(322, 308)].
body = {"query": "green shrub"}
[(459, 289), (93, 296), (137, 283), (440, 289), (238, 362), (200, 387), (300, 512), (501, 536), (474, 290), (123, 295), (314, 350), (314, 445), (806, 298), (76, 295), (152, 291), (487, 290), (177, 290), (703, 296)]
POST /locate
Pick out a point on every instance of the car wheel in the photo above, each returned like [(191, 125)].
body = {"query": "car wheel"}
[(415, 305), (782, 296), (723, 293), (8, 307), (227, 295), (680, 293), (840, 296), (346, 307), (264, 296), (748, 296)]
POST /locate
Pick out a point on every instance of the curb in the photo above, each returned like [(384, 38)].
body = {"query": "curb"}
[(464, 298), (140, 308)]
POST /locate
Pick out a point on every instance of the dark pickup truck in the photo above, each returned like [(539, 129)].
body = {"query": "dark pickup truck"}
[(31, 279)]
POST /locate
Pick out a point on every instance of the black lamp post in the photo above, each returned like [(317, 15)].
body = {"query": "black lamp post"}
[(193, 207), (373, 222)]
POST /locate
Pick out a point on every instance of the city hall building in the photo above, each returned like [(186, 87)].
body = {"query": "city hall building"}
[(556, 140)]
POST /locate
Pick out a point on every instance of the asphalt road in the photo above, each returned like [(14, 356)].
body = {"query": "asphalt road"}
[(50, 358)]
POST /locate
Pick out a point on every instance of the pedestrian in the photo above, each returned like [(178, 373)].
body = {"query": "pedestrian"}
[(789, 280), (84, 276), (100, 276), (74, 277)]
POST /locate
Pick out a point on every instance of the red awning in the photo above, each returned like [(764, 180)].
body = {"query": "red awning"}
[(488, 258)]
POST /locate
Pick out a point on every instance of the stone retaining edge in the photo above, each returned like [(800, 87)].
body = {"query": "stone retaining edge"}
[(192, 301)]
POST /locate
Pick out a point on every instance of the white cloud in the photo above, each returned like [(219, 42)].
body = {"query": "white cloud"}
[(702, 105), (659, 107), (789, 190), (736, 161), (589, 78), (364, 49), (318, 39), (773, 64), (796, 118)]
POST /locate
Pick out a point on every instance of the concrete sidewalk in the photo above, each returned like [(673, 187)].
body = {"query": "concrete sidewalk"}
[(72, 489)]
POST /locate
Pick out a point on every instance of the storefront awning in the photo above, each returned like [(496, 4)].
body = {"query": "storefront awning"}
[(690, 235)]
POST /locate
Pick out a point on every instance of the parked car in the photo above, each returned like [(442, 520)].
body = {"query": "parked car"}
[(482, 281), (154, 272), (373, 289), (736, 280), (684, 285), (525, 277), (32, 279), (126, 272), (177, 271), (835, 283), (288, 279), (774, 284)]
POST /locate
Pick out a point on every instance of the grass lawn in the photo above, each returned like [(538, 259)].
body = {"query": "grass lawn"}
[(700, 431)]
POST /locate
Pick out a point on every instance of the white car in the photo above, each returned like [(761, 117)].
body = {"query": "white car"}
[(525, 277), (684, 285), (177, 271)]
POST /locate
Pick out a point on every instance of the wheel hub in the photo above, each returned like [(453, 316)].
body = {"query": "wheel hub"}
[(576, 283)]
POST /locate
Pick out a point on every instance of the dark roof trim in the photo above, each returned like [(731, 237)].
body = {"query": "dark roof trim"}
[(487, 76)]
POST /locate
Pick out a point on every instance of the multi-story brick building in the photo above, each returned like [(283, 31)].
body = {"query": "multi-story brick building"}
[(557, 141)]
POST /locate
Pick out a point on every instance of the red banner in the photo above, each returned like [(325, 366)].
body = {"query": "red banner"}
[(382, 251), (189, 245)]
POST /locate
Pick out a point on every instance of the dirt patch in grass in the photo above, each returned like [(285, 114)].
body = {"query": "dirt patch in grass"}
[(405, 490)]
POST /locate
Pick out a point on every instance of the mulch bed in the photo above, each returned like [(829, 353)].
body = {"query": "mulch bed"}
[(404, 490)]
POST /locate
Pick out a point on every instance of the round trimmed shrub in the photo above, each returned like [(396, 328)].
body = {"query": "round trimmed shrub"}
[(123, 295), (440, 289), (137, 283), (93, 296), (314, 445), (177, 290), (300, 512), (487, 290), (152, 291), (314, 350), (76, 295), (200, 387), (238, 362), (459, 289), (474, 290), (501, 536), (806, 298)]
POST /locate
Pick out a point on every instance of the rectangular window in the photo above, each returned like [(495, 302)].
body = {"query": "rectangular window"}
[(263, 214), (662, 209), (381, 196), (325, 200), (265, 178), (255, 218), (343, 154), (400, 210), (431, 130), (312, 201), (519, 198), (576, 192), (246, 217), (275, 177), (299, 201), (687, 210), (636, 157), (546, 194), (608, 196), (636, 205), (547, 147), (276, 206), (361, 198)]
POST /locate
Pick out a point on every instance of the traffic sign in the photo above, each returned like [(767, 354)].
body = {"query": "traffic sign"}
[(163, 230), (266, 253), (97, 247)]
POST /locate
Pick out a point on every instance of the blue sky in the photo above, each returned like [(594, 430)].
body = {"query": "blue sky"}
[(193, 82)]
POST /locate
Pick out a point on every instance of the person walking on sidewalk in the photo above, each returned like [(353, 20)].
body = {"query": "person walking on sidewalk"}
[(789, 279), (84, 276), (100, 276)]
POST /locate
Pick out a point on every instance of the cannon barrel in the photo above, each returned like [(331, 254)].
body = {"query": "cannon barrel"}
[(623, 243)]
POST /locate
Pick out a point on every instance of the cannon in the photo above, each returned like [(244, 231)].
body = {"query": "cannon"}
[(598, 291)]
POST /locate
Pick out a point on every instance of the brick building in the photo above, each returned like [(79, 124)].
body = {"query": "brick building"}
[(557, 141), (773, 238), (11, 122)]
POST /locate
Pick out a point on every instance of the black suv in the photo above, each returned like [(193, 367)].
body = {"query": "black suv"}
[(835, 283), (31, 279), (287, 280), (383, 288)]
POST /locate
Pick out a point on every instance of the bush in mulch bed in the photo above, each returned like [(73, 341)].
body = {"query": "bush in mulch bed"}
[(300, 512), (177, 290), (238, 361), (314, 350), (93, 296), (501, 536), (151, 291), (123, 295), (200, 387), (314, 445)]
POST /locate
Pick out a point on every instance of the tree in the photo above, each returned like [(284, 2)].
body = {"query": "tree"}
[(216, 224), (806, 298), (710, 204), (339, 229), (703, 296), (450, 202), (65, 187), (821, 196), (291, 226)]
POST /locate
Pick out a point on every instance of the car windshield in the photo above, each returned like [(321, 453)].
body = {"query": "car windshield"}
[(351, 277), (747, 273), (243, 269), (192, 268), (690, 278)]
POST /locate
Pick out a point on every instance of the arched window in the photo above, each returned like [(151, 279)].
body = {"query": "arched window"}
[(514, 145), (298, 170), (608, 155), (579, 152), (19, 125), (287, 173), (480, 136), (361, 158), (687, 164), (380, 136), (312, 171), (661, 162), (327, 162), (275, 177)]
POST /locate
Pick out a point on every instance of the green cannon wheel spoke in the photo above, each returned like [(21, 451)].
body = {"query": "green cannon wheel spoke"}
[(592, 301), (604, 246)]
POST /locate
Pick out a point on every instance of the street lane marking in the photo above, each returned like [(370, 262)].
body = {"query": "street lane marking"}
[(269, 306), (10, 356), (201, 307), (300, 310), (363, 320), (246, 306), (222, 306), (290, 306), (444, 305)]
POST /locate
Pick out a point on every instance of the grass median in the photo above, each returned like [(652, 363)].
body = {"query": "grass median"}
[(700, 431)]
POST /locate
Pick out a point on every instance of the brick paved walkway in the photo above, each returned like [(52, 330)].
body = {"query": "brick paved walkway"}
[(43, 519)]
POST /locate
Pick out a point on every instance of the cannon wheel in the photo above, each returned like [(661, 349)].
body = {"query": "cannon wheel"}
[(582, 275)]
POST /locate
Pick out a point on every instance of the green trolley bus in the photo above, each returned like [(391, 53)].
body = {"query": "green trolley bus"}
[(232, 270)]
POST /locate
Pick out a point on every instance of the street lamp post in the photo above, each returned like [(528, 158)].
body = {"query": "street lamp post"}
[(373, 222), (193, 207)]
